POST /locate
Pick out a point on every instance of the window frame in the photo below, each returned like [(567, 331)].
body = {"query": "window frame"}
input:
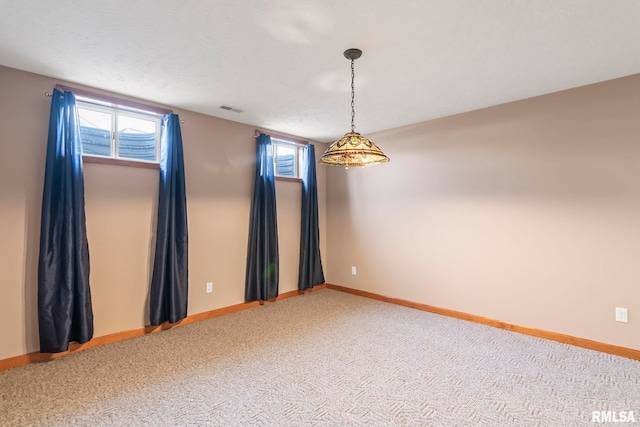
[(297, 158), (115, 110), (124, 103), (289, 141)]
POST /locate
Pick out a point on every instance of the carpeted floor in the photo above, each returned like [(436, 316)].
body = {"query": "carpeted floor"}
[(325, 358)]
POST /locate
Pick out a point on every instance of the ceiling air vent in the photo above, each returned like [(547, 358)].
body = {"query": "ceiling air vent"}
[(226, 107)]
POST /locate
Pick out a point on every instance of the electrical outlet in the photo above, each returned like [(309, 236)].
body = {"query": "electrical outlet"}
[(353, 271), (621, 314), (209, 287)]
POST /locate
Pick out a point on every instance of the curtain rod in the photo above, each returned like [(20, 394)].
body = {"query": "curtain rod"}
[(282, 136), (49, 95), (112, 100)]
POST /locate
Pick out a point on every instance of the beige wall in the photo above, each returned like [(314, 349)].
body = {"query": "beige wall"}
[(527, 212), (121, 210)]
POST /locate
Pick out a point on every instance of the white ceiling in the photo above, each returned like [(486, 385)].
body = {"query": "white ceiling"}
[(280, 61)]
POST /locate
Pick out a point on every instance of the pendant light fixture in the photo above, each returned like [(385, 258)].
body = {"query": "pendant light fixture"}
[(353, 149)]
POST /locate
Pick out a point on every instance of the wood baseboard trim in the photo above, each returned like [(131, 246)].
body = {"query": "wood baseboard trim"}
[(540, 333), (25, 359)]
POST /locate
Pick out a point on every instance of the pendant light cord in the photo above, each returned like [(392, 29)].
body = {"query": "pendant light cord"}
[(353, 111)]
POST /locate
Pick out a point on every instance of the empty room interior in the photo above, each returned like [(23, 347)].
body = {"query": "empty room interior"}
[(479, 265)]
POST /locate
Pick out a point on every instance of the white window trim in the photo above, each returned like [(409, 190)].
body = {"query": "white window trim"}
[(296, 165), (114, 111)]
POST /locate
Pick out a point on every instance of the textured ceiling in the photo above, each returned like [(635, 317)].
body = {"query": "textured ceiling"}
[(280, 61)]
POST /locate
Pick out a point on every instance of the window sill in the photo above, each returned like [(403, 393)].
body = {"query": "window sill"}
[(120, 162), (288, 178)]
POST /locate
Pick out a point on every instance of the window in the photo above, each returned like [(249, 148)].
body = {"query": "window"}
[(287, 158), (118, 133)]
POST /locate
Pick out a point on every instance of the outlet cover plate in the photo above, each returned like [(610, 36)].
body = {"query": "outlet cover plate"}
[(621, 314), (209, 287), (353, 271)]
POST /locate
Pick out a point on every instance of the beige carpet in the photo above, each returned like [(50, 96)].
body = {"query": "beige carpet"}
[(325, 358)]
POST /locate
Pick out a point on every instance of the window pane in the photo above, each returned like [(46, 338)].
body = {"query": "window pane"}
[(95, 132), (136, 138), (286, 160)]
